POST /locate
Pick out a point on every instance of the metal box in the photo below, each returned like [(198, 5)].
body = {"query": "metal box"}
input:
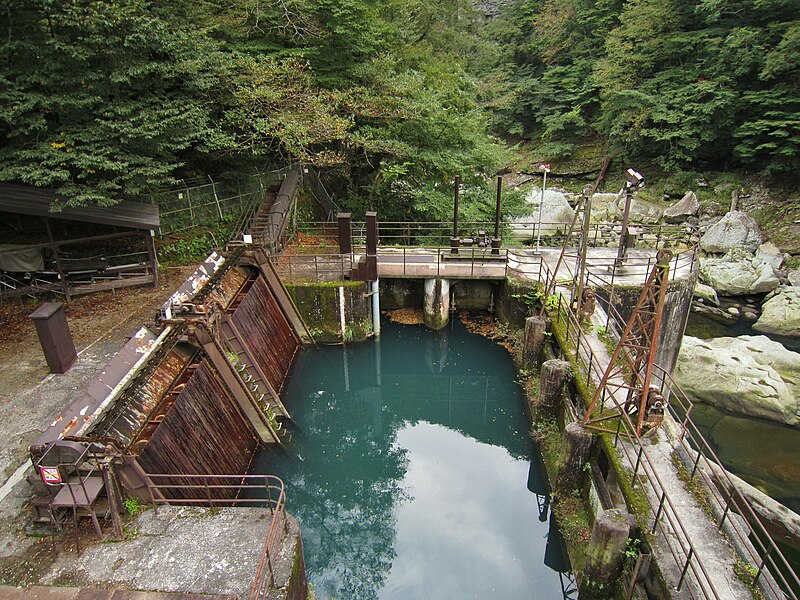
[(55, 336)]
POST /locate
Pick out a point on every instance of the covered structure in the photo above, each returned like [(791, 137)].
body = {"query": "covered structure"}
[(73, 250)]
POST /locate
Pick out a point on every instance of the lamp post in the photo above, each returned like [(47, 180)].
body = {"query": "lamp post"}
[(545, 170), (634, 180)]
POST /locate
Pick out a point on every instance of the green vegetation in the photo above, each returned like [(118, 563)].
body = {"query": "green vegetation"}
[(132, 507), (105, 101), (704, 83)]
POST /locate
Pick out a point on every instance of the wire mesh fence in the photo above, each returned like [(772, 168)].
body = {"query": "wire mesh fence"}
[(185, 207)]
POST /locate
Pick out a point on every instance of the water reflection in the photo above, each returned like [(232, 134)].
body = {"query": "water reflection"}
[(412, 483)]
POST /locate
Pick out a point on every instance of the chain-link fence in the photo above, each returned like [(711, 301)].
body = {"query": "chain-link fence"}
[(185, 207)]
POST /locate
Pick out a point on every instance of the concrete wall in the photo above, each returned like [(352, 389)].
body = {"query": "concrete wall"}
[(401, 293), (318, 303), (677, 305), (469, 294), (508, 308)]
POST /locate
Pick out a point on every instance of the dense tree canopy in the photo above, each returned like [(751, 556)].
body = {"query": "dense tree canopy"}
[(699, 82), (108, 100)]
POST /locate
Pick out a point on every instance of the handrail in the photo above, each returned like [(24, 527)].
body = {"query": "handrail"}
[(513, 234), (761, 551), (275, 501)]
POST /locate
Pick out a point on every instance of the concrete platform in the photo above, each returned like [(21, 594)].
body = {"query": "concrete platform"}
[(174, 549)]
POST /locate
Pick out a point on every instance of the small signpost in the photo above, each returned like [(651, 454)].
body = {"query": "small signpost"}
[(51, 475)]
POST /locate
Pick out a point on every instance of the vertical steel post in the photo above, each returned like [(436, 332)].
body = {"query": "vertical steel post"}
[(496, 238), (623, 237), (455, 241)]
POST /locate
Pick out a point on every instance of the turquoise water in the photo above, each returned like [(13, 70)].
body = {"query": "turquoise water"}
[(417, 477)]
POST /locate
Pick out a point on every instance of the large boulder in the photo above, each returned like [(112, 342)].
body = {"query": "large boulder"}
[(780, 314), (642, 211), (686, 207), (735, 230), (769, 253), (556, 212), (737, 275), (749, 375), (604, 208)]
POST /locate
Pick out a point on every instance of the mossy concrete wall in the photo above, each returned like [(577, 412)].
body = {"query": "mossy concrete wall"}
[(508, 307), (468, 294), (318, 303), (401, 293), (677, 305)]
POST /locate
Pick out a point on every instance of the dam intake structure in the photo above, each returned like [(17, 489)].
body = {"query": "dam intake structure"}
[(180, 412)]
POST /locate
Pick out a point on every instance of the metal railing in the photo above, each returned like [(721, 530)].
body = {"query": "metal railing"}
[(759, 550), (514, 234), (232, 490), (189, 206)]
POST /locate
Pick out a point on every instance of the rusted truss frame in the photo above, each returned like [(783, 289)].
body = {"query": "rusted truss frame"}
[(632, 362)]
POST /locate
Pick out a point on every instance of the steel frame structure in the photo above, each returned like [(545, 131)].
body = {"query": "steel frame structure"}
[(630, 369)]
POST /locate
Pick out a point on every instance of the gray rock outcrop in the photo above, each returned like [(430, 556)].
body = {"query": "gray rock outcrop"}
[(736, 274), (735, 230), (604, 208), (686, 207), (749, 375), (770, 254), (556, 212), (780, 314), (642, 211)]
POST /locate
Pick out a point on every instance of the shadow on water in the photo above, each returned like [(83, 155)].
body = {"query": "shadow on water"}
[(417, 477)]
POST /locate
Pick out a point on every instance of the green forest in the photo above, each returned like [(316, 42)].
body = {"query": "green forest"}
[(390, 99)]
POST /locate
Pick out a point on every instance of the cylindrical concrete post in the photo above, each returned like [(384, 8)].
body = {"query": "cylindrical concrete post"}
[(575, 454), (533, 348), (552, 377), (605, 553), (436, 305)]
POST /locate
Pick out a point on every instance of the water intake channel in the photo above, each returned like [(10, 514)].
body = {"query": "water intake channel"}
[(417, 477)]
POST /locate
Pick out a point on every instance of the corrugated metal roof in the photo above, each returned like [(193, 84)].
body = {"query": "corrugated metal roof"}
[(30, 200)]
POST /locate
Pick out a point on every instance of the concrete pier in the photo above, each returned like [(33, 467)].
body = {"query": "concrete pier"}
[(436, 305)]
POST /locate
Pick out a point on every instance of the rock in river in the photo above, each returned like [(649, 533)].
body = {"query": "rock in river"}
[(749, 375), (780, 314), (733, 275)]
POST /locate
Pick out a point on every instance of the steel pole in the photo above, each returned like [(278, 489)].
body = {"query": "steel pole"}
[(623, 237), (455, 241), (541, 204)]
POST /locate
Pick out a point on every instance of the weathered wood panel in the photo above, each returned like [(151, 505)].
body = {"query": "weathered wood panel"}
[(267, 334), (203, 433)]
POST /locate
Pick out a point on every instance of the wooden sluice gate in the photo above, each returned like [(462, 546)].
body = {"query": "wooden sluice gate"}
[(193, 394)]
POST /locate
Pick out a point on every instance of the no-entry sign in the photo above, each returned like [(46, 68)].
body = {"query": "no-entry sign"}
[(51, 475)]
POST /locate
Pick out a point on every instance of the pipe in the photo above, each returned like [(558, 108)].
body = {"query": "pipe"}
[(376, 308)]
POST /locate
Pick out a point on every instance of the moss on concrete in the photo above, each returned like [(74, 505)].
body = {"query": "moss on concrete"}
[(318, 303)]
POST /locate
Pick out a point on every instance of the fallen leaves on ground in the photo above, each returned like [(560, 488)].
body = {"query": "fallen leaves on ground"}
[(406, 316)]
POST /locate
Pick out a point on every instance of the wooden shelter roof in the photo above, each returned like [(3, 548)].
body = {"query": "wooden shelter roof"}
[(37, 202)]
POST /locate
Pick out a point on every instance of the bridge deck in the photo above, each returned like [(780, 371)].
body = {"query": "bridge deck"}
[(425, 263)]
